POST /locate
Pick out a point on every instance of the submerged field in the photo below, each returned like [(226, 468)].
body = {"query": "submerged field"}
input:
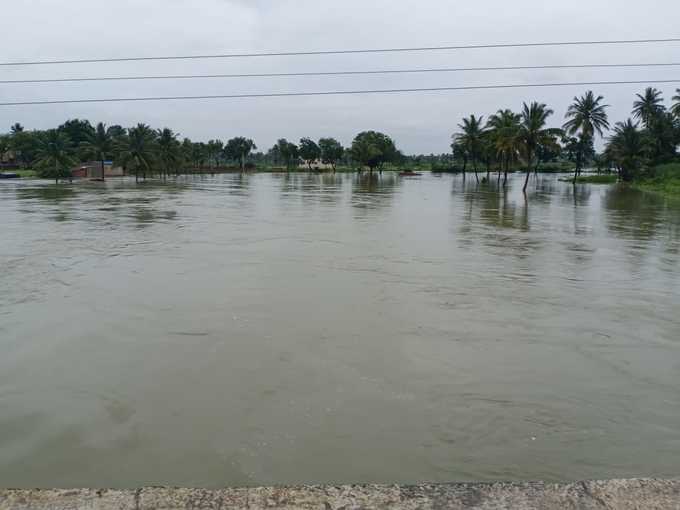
[(277, 329)]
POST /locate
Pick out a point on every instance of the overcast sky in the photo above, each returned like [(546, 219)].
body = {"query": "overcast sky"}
[(419, 122)]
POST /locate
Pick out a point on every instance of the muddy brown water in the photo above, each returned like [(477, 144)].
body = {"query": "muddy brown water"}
[(273, 329)]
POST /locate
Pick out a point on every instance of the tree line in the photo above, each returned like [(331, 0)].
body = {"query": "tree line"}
[(144, 151), (506, 141), (634, 147)]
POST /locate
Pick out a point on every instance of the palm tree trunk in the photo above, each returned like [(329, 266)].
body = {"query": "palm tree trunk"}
[(526, 181), (103, 172), (474, 165)]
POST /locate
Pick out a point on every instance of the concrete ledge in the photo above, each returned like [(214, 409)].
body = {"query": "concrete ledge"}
[(614, 494)]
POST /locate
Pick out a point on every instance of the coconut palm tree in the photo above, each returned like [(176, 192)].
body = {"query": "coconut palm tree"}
[(648, 106), (53, 156), (676, 104), (504, 128), (586, 116), (532, 132), (100, 145), (137, 150), (471, 137), (459, 151), (627, 149), (169, 151)]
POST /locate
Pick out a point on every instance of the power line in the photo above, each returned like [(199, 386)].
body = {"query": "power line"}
[(335, 92), (340, 52), (334, 73)]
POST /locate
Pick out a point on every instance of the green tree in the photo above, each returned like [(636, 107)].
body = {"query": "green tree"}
[(288, 152), (331, 151), (586, 116), (238, 149), (373, 149), (459, 151), (187, 150), (488, 153), (676, 104), (169, 151), (471, 137), (99, 145), (198, 155), (53, 158), (24, 145), (648, 106), (504, 129), (309, 151), (138, 150), (533, 132), (661, 137), (627, 149), (213, 149), (78, 131)]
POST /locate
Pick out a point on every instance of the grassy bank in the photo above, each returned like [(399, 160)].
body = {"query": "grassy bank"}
[(666, 180), (593, 179)]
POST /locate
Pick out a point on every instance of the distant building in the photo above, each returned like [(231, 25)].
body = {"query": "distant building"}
[(93, 170)]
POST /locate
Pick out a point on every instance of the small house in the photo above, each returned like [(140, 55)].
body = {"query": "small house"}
[(93, 170)]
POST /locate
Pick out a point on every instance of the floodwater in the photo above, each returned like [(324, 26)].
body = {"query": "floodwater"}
[(273, 329)]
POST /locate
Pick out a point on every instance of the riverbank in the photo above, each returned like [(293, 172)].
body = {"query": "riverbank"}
[(666, 181), (613, 494), (593, 179)]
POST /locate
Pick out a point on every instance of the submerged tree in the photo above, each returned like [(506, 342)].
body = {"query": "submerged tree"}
[(99, 144), (213, 149), (459, 151), (627, 149), (169, 151), (331, 151), (586, 116), (238, 149), (309, 151), (53, 157), (504, 129), (471, 139), (533, 132), (373, 149), (137, 150), (288, 152)]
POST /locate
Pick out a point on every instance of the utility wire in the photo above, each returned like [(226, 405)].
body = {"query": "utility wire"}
[(340, 52), (334, 92), (334, 73)]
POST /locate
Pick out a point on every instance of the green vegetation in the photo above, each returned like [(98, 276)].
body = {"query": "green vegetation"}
[(331, 152), (594, 179), (373, 150), (586, 116), (666, 180), (309, 151), (52, 156), (641, 150), (638, 154)]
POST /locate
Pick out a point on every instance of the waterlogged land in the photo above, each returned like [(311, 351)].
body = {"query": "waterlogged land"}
[(277, 329)]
